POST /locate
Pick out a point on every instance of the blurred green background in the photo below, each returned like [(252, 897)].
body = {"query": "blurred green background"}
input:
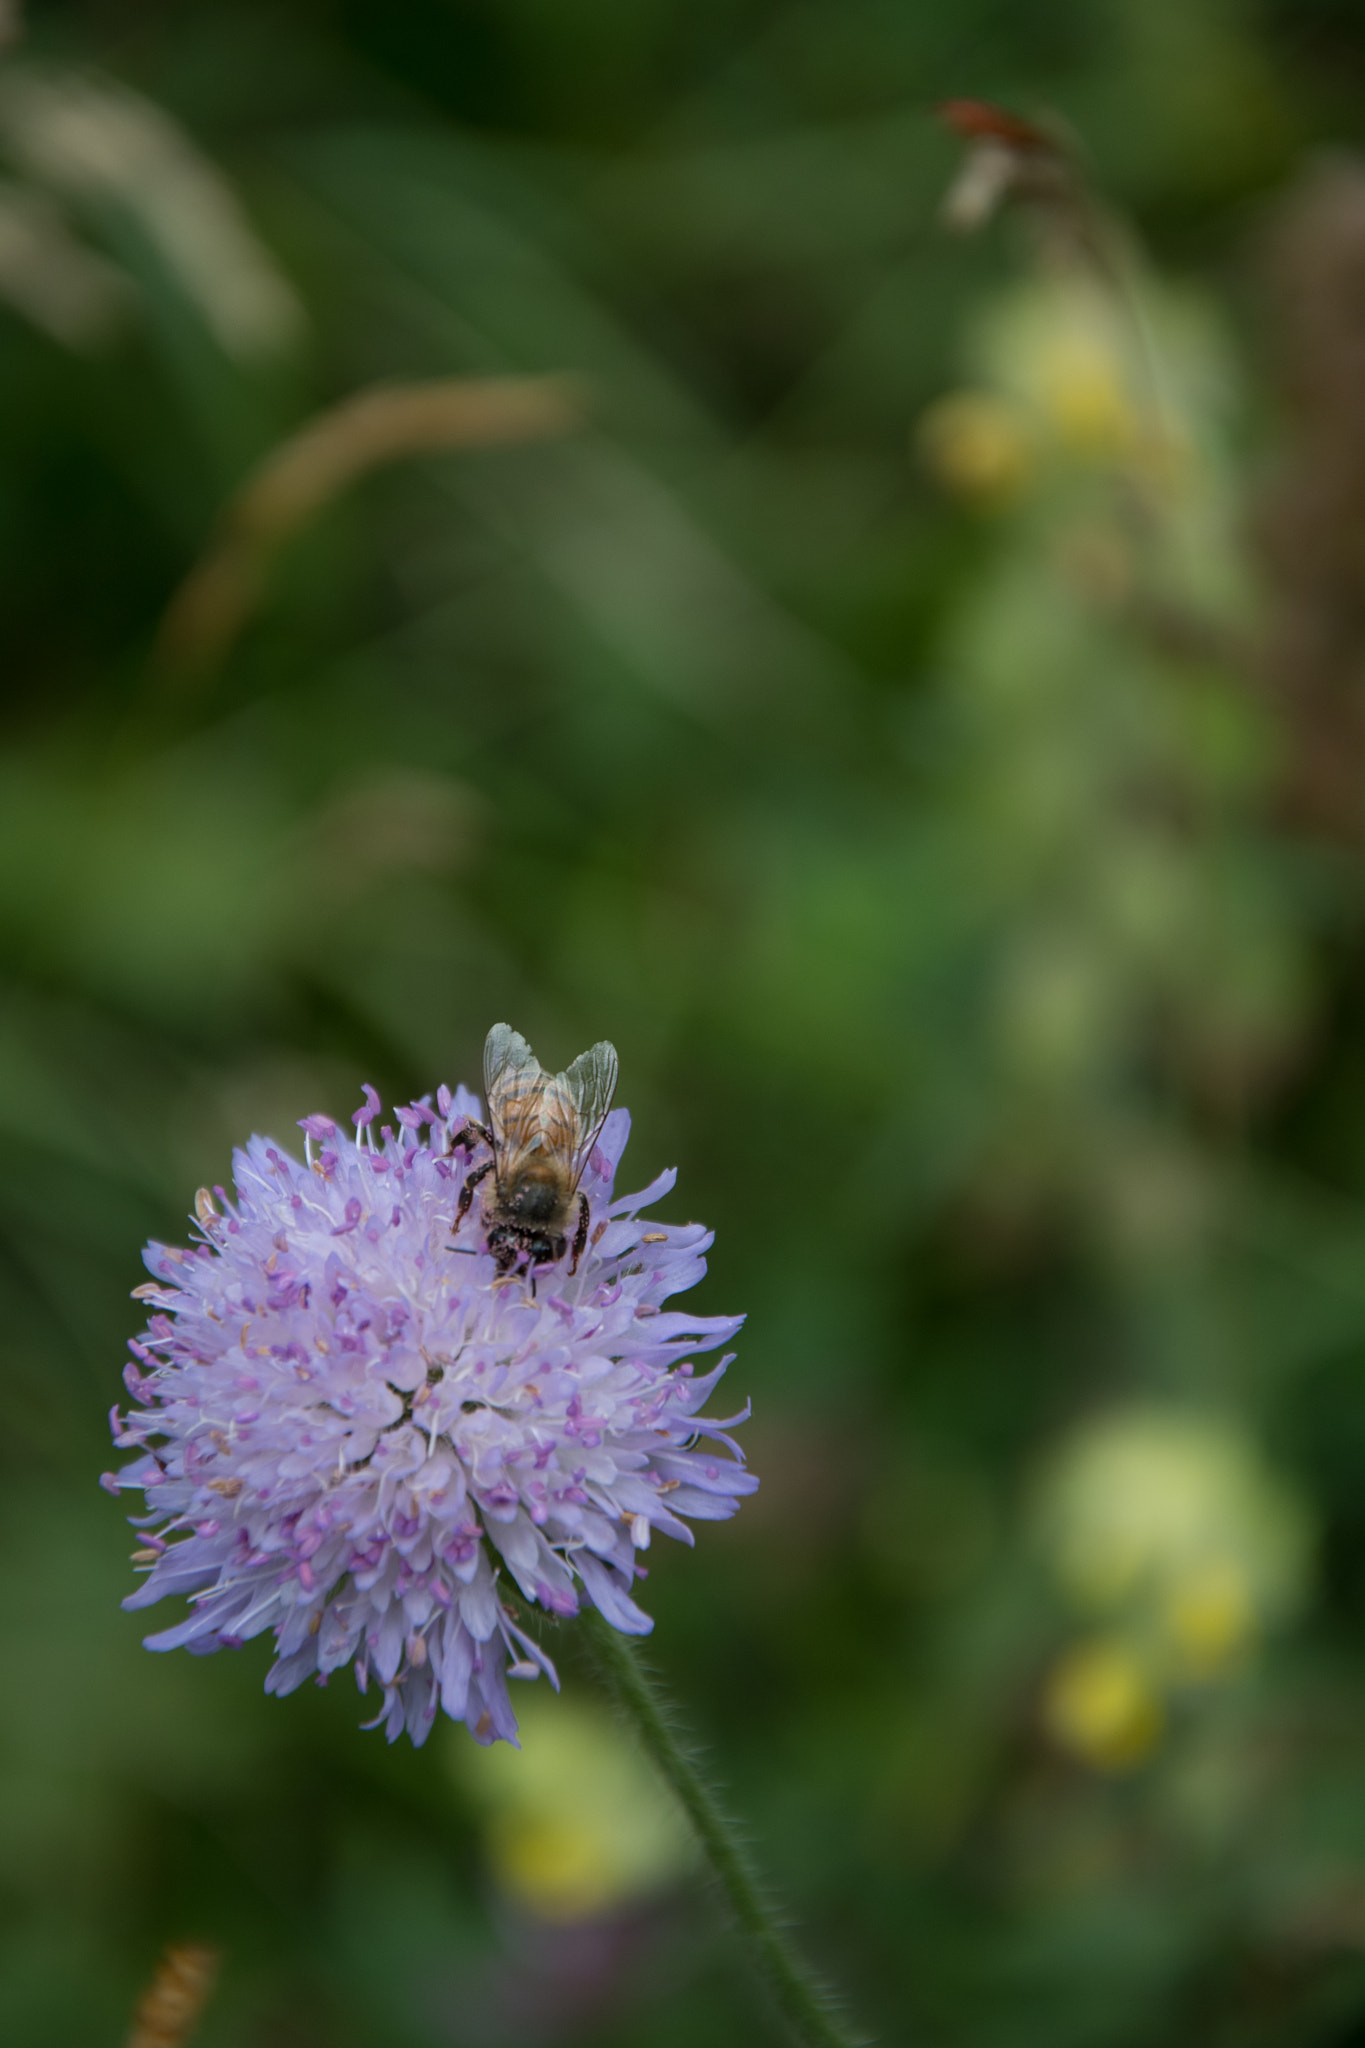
[(919, 715)]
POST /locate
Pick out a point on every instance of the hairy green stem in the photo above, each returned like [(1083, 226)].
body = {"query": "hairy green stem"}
[(805, 2008)]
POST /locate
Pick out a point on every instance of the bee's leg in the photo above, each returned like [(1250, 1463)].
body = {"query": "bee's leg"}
[(503, 1245), (467, 1191), (471, 1133), (580, 1236)]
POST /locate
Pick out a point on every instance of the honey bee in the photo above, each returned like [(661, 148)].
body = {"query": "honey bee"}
[(541, 1129)]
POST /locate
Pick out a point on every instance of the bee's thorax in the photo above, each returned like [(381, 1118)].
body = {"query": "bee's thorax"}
[(533, 1200)]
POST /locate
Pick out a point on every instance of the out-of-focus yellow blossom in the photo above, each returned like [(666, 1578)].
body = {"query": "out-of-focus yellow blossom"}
[(1150, 1500), (978, 445), (1069, 352), (1170, 1523), (1082, 390), (1100, 1703), (1211, 1618), (1079, 372), (575, 1822)]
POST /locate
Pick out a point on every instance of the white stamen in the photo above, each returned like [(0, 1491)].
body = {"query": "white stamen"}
[(639, 1532)]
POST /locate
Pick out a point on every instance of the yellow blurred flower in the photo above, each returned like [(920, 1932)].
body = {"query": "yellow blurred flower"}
[(1172, 1524), (977, 445), (1069, 353), (1148, 1501), (575, 1822), (1102, 376), (1082, 390), (1100, 1704), (558, 1868), (1211, 1618)]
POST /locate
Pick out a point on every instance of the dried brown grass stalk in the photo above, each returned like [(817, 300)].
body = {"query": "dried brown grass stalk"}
[(297, 479), (1311, 520), (173, 2004)]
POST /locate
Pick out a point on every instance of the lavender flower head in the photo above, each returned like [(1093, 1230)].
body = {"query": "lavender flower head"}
[(354, 1431)]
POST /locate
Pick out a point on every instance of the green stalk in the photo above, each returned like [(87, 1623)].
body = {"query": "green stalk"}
[(806, 2009)]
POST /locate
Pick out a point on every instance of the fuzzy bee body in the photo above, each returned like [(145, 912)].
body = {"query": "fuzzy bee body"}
[(541, 1129)]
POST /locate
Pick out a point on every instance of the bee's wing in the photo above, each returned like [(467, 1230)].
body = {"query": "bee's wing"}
[(532, 1111), (517, 1088), (589, 1084), (507, 1061)]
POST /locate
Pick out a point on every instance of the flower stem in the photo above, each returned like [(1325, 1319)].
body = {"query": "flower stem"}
[(804, 2006)]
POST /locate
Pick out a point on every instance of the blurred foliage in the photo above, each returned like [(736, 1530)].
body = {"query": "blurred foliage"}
[(878, 717)]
